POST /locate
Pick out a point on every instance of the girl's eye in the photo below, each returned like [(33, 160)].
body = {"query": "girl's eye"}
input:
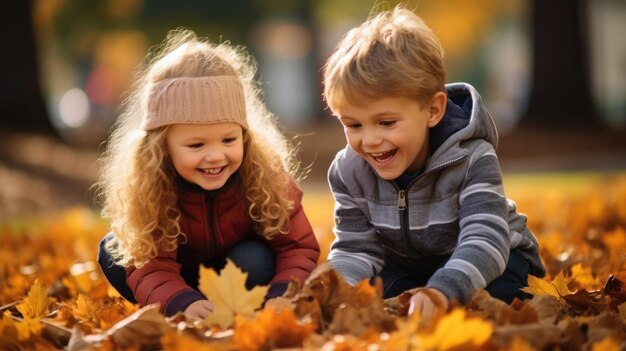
[(229, 140), (195, 145), (387, 123)]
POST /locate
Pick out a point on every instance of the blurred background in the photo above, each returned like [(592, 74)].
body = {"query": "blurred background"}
[(552, 73)]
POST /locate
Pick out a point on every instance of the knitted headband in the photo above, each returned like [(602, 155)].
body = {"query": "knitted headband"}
[(200, 100)]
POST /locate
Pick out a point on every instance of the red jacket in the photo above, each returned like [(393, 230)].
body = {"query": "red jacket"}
[(214, 221)]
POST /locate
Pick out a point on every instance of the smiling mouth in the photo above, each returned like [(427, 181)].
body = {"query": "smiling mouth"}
[(383, 157), (212, 171)]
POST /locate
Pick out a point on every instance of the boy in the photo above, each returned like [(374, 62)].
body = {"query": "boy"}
[(418, 191)]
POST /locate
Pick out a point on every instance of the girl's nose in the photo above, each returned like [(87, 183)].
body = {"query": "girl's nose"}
[(213, 156)]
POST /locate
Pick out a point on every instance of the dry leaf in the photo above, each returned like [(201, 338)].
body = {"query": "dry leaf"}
[(608, 344), (454, 330), (557, 287), (229, 295), (271, 329), (36, 304), (86, 310)]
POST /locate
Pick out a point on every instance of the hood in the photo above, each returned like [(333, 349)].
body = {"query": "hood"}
[(466, 118)]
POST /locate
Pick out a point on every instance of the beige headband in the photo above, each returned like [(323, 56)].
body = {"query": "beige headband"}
[(201, 100)]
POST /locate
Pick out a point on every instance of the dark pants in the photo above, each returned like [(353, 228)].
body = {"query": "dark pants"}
[(252, 256), (397, 279)]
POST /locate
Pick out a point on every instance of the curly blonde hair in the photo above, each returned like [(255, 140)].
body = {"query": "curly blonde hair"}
[(136, 184), (392, 54)]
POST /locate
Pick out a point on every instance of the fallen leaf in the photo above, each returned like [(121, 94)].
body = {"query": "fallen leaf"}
[(36, 303), (271, 329), (229, 295), (86, 310), (557, 287), (608, 344), (454, 330)]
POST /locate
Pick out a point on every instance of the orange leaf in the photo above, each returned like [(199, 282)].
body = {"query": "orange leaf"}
[(454, 330), (86, 310), (36, 304), (27, 327), (557, 288)]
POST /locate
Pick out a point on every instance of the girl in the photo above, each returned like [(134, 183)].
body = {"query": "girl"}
[(195, 171)]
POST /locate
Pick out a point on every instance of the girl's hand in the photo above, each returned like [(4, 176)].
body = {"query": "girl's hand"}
[(429, 302), (198, 310)]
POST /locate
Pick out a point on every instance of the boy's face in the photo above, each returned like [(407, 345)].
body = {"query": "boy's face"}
[(391, 134), (206, 155)]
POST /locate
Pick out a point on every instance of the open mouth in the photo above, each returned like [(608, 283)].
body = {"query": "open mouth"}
[(384, 156), (211, 171)]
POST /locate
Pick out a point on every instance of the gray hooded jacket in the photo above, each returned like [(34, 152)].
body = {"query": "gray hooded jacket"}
[(457, 207)]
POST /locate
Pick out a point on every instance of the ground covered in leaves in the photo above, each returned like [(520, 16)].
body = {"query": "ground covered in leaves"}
[(52, 295)]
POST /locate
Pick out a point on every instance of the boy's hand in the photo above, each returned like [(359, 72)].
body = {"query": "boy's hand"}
[(198, 310), (429, 302)]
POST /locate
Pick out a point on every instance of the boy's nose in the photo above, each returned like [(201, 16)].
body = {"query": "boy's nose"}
[(371, 139)]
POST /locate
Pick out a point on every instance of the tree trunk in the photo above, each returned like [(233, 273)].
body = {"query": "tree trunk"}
[(21, 102), (560, 94)]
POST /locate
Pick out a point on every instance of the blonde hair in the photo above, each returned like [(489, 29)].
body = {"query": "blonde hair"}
[(136, 183), (392, 54)]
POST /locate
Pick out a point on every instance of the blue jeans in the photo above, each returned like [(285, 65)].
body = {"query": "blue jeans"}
[(252, 256), (397, 279)]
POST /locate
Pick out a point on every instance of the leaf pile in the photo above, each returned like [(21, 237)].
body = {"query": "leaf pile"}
[(53, 296)]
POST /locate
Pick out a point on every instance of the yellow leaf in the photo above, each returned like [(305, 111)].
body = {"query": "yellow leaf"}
[(86, 309), (607, 344), (454, 330), (36, 303), (584, 277), (27, 327), (229, 295), (557, 288), (518, 344)]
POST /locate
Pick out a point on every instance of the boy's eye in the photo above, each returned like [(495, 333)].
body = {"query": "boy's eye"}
[(387, 123), (352, 125)]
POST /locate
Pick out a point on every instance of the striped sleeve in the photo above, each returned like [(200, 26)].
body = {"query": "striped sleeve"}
[(355, 253), (482, 251)]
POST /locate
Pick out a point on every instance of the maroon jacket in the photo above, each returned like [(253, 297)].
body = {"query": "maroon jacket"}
[(214, 222)]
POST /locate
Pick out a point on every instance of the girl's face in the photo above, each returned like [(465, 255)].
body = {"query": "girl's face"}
[(205, 155)]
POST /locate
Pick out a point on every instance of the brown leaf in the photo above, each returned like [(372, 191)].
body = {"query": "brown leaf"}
[(519, 312), (271, 329)]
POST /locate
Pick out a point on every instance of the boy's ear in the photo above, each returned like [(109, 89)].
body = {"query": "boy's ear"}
[(437, 108)]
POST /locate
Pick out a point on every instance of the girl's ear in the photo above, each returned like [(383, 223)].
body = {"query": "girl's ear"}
[(437, 108)]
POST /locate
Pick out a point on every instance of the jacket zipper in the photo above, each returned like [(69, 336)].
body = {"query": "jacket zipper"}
[(403, 208), (403, 205), (212, 242)]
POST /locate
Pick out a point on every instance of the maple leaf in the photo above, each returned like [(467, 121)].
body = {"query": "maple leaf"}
[(36, 303), (85, 309), (27, 327), (229, 295), (454, 330), (557, 287), (584, 277), (271, 329)]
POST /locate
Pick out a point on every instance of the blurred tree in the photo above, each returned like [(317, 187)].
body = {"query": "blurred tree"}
[(560, 95), (20, 94)]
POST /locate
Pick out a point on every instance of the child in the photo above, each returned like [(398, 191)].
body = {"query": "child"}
[(418, 192), (194, 172)]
